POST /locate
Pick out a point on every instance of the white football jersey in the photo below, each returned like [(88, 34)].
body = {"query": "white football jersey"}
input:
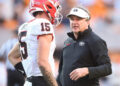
[(28, 38)]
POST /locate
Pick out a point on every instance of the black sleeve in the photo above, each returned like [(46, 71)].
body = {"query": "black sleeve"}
[(100, 56), (59, 71)]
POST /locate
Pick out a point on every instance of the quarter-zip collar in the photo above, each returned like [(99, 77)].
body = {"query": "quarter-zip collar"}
[(80, 34)]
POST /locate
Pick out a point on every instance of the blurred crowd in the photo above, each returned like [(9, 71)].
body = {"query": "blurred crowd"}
[(105, 22)]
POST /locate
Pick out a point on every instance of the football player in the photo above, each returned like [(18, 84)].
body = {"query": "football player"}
[(37, 44)]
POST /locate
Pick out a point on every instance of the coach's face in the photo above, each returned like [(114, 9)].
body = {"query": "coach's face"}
[(78, 24)]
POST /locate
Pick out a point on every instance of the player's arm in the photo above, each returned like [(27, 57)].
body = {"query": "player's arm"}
[(43, 54), (15, 59), (14, 54)]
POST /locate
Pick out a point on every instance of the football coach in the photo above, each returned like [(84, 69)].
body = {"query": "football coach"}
[(85, 55)]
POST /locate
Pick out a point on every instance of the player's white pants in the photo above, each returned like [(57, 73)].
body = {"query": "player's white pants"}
[(27, 83)]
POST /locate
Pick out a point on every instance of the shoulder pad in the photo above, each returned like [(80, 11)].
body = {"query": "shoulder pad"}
[(22, 27), (41, 27)]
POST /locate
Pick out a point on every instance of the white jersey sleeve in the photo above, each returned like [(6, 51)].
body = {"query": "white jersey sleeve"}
[(41, 27)]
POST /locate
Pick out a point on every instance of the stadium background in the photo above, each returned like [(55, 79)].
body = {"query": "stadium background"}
[(105, 22)]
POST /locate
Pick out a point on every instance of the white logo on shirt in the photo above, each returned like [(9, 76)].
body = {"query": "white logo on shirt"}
[(81, 43)]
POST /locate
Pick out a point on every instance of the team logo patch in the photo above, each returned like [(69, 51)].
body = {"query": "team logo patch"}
[(75, 10), (68, 44), (81, 43)]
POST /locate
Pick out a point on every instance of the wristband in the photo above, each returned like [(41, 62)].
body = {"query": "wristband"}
[(19, 68)]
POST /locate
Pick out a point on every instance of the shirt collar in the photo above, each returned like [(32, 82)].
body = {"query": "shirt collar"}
[(81, 34)]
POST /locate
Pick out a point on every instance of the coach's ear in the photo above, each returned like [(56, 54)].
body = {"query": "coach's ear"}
[(88, 21)]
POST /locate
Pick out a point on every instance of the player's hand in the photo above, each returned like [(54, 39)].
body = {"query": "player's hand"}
[(78, 73)]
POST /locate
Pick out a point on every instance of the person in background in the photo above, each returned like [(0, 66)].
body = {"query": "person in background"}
[(3, 72), (14, 77)]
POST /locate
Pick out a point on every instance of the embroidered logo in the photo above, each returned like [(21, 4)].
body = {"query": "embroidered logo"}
[(68, 44), (75, 10), (81, 43)]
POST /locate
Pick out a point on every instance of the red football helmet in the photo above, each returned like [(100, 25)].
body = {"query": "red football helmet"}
[(50, 7)]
